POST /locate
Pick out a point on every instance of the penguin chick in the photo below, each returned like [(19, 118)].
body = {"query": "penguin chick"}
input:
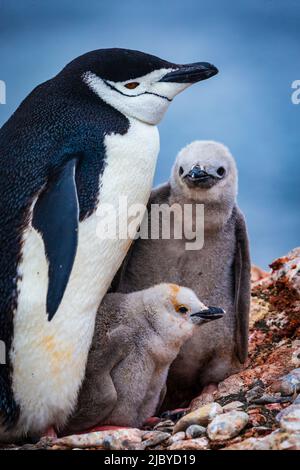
[(204, 173), (136, 338)]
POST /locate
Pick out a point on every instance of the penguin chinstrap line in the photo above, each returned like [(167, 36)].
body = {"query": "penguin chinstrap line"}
[(79, 140)]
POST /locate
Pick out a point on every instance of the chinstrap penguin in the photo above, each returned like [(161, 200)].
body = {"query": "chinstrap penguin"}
[(136, 338), (204, 172), (79, 140)]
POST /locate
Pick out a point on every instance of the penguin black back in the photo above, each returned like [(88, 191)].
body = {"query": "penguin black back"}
[(56, 120)]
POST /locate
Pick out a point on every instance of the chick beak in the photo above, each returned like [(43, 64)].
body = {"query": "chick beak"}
[(211, 313), (196, 173)]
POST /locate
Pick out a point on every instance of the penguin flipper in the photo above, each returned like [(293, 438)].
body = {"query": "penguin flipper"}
[(56, 218), (242, 267)]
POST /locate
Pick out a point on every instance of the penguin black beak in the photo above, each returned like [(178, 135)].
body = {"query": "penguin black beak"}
[(211, 313), (191, 73), (197, 174)]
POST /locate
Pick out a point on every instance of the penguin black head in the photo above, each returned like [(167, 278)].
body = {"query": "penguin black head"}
[(137, 84)]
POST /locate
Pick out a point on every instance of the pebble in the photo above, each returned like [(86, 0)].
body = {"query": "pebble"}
[(191, 444), (164, 426), (154, 438), (291, 383), (99, 438), (277, 440), (115, 443), (286, 411), (251, 444), (201, 416), (290, 421), (233, 405), (297, 400), (227, 425), (254, 393), (266, 398), (194, 431), (179, 436)]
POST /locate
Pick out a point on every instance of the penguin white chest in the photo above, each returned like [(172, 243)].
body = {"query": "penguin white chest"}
[(49, 358), (127, 180)]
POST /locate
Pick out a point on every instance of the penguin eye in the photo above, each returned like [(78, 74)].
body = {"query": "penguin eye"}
[(181, 309), (180, 171), (221, 171), (132, 85)]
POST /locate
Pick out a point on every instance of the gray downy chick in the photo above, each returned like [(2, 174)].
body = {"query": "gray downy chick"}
[(205, 173), (137, 337)]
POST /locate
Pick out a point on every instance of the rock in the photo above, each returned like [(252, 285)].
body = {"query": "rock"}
[(194, 431), (231, 386), (227, 425), (256, 417), (297, 400), (255, 392), (290, 420), (289, 442), (288, 384), (268, 382), (266, 398), (99, 438), (233, 405), (190, 444), (179, 436), (250, 444), (154, 438), (164, 426), (273, 407), (295, 360), (208, 394), (201, 416), (257, 274), (202, 399), (277, 440), (114, 442), (287, 410)]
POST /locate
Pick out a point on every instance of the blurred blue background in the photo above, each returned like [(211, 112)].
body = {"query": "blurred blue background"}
[(254, 43)]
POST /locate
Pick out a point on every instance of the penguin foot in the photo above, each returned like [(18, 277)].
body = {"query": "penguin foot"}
[(50, 432), (103, 428)]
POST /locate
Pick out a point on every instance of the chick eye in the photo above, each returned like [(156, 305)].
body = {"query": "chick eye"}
[(132, 85), (221, 171), (180, 171), (181, 309)]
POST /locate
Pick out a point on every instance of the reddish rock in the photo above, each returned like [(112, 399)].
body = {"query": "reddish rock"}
[(269, 374)]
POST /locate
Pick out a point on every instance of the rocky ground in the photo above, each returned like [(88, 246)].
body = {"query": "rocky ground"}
[(259, 408)]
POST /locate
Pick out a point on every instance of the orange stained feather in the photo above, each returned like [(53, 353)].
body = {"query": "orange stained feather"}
[(174, 288), (58, 356)]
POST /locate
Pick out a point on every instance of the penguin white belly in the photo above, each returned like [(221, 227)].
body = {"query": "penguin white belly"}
[(49, 358)]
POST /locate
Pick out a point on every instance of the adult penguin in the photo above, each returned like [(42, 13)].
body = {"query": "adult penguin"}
[(79, 140)]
